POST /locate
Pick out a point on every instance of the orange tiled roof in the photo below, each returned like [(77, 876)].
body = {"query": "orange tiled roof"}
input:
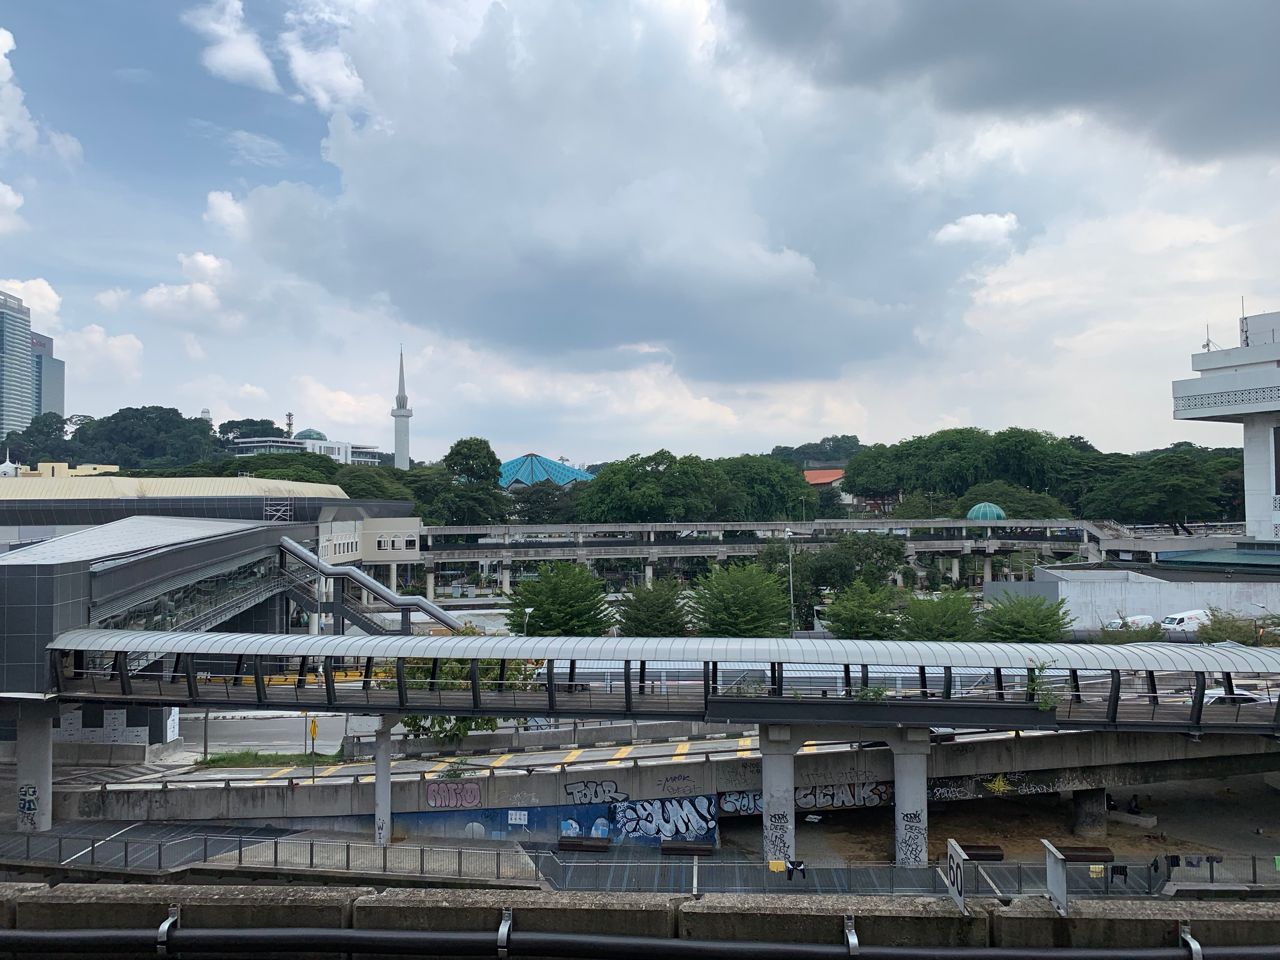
[(820, 478)]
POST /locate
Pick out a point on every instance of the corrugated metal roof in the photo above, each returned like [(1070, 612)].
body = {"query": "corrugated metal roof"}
[(1016, 656), (123, 538), (532, 468), (115, 488)]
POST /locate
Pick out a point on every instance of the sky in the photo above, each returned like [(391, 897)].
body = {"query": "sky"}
[(605, 228)]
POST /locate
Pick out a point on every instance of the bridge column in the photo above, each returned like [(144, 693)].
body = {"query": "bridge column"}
[(1089, 808), (910, 796), (382, 781), (778, 792), (391, 577), (955, 569), (35, 768), (431, 584), (504, 577), (648, 574), (986, 570)]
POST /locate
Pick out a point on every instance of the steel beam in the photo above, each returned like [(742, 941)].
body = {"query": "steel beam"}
[(1113, 697)]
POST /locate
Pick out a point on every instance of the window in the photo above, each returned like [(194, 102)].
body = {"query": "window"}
[(395, 543), (411, 543), (382, 544)]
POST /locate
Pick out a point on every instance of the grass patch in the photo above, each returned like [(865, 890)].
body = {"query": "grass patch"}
[(251, 758)]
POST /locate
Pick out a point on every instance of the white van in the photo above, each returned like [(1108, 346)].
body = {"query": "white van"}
[(1188, 621), (1129, 623)]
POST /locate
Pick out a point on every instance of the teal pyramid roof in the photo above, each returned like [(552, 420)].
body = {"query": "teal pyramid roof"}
[(532, 468)]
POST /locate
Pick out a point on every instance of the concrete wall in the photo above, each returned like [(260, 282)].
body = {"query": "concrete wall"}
[(645, 803), (799, 918), (1093, 602)]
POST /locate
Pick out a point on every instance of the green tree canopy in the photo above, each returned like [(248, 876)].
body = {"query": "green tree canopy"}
[(234, 429), (827, 450), (472, 460), (742, 600), (544, 502), (863, 613), (950, 617), (1030, 619), (371, 483), (565, 601), (654, 611)]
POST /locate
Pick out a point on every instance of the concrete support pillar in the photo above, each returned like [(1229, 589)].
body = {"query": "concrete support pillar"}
[(778, 792), (382, 782), (504, 574), (648, 574), (35, 769), (955, 569), (986, 570), (391, 577), (1089, 818), (431, 584), (910, 796)]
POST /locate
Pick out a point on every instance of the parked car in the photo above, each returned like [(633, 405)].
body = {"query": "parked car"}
[(1188, 621), (1129, 623), (1238, 698)]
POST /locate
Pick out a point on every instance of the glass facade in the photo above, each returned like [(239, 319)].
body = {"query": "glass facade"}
[(15, 364), (172, 609)]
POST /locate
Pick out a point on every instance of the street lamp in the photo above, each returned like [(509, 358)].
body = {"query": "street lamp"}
[(801, 501), (527, 611), (791, 580)]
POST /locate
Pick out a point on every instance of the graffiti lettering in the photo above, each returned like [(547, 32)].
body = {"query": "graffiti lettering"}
[(686, 819), (779, 836), (743, 802), (594, 791), (453, 794), (827, 796), (677, 785), (28, 805), (911, 816)]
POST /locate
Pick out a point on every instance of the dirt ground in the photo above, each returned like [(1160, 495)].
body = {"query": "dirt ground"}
[(1236, 816)]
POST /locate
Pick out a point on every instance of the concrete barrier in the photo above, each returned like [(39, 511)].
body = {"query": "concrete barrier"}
[(1134, 923), (884, 921)]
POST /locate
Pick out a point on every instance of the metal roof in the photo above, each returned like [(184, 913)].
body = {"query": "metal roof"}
[(115, 488), (532, 468), (123, 538), (1016, 656)]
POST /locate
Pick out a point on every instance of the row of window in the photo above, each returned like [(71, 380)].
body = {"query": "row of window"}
[(395, 543), (344, 548)]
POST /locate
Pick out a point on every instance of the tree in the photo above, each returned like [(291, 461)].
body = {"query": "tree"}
[(234, 429), (924, 506), (1029, 619), (827, 450), (950, 617), (658, 488), (1224, 627), (830, 506), (740, 601), (765, 488), (564, 601), (863, 613), (472, 460), (1016, 501), (145, 437), (371, 483), (544, 502), (655, 610)]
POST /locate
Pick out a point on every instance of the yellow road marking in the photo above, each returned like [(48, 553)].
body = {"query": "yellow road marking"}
[(681, 750), (621, 752), (744, 747), (274, 776), (502, 759), (329, 771), (571, 756)]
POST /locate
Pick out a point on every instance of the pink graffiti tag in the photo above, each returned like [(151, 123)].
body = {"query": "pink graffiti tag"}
[(453, 795)]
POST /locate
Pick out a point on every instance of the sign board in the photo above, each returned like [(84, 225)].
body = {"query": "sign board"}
[(517, 818), (1055, 873), (956, 858), (314, 727)]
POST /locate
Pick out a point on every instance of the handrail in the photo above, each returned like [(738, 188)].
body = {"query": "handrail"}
[(379, 590)]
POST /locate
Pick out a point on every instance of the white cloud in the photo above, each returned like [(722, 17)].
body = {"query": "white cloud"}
[(10, 202), (987, 228), (339, 406), (234, 53), (66, 147), (17, 130), (41, 299), (223, 211), (326, 75), (251, 391), (112, 299), (204, 267), (92, 354), (256, 150), (192, 347), (182, 297)]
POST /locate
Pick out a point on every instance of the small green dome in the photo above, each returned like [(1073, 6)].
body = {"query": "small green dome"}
[(985, 511), (309, 434)]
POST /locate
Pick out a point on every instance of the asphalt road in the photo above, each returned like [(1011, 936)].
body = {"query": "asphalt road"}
[(270, 734)]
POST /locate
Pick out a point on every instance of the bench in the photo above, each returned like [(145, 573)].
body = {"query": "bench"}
[(984, 852), (584, 844), (687, 848), (1086, 854)]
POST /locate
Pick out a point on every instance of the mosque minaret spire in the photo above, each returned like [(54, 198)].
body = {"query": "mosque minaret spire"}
[(401, 414)]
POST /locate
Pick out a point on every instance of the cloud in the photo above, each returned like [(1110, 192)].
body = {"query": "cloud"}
[(112, 299), (234, 53), (192, 347), (93, 354), (325, 75), (1193, 76), (256, 150), (17, 130), (10, 201), (66, 147), (41, 299), (339, 406), (204, 267), (223, 211), (988, 228)]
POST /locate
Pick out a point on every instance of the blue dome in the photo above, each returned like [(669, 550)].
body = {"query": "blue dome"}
[(309, 434), (985, 511)]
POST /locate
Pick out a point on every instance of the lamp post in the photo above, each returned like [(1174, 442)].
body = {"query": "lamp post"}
[(527, 611), (801, 501), (791, 580)]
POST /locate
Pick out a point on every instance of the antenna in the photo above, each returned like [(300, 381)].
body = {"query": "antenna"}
[(1244, 326), (288, 425)]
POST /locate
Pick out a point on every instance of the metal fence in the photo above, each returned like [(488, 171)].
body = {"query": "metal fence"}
[(281, 853)]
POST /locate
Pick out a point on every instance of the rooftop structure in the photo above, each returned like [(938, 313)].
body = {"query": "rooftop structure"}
[(115, 488), (311, 441), (532, 468), (985, 511), (401, 414), (823, 478)]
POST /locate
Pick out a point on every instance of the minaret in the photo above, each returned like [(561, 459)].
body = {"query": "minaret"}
[(401, 415)]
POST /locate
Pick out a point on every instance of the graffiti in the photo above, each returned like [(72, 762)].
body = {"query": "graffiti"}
[(779, 836), (827, 796), (950, 791), (911, 816), (453, 794), (913, 838), (744, 775), (594, 791), (740, 801), (522, 798), (28, 805), (684, 818), (677, 785)]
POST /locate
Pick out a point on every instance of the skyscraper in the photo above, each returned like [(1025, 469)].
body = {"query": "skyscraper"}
[(15, 364), (48, 378), (401, 415)]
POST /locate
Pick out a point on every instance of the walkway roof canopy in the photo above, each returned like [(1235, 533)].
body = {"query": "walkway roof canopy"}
[(1231, 658)]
